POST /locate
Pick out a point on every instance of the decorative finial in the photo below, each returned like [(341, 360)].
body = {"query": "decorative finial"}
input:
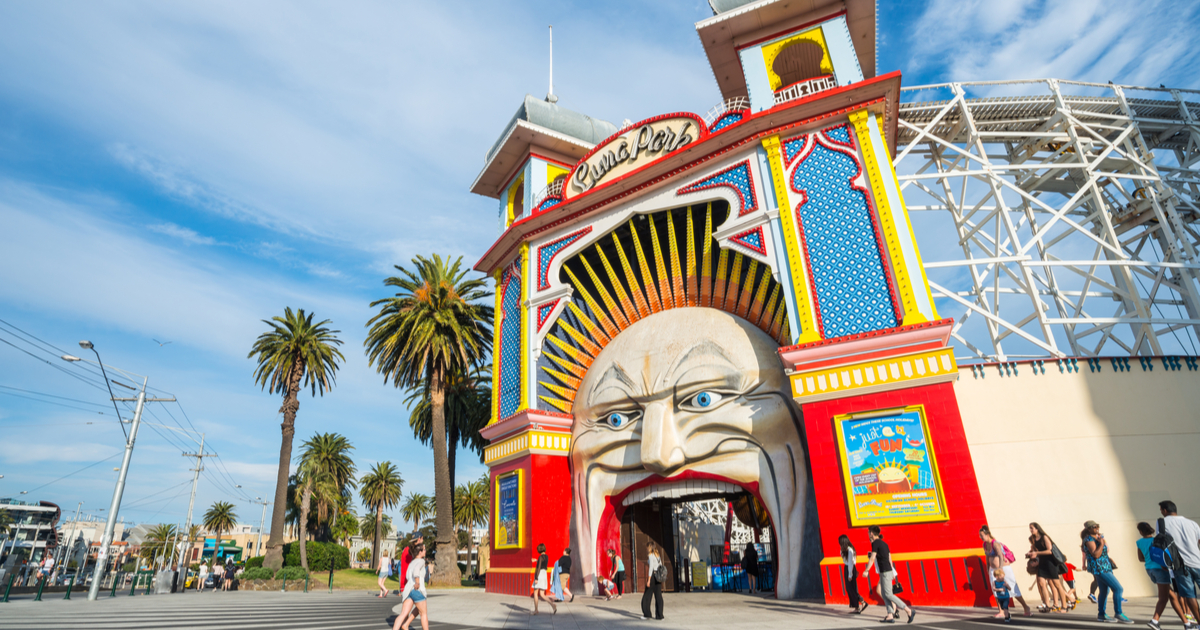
[(550, 97)]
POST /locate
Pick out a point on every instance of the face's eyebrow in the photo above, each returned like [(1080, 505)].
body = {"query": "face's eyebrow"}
[(705, 349), (614, 376)]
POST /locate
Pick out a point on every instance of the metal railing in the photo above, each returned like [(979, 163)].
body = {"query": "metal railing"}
[(805, 88), (735, 104)]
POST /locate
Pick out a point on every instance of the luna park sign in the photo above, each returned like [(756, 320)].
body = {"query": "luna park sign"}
[(640, 145)]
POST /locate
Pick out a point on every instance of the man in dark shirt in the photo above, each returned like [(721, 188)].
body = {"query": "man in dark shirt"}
[(564, 576), (881, 557)]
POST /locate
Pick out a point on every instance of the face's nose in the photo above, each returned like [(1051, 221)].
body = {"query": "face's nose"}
[(662, 443)]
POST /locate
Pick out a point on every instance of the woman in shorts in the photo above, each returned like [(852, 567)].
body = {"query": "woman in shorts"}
[(541, 580), (414, 592)]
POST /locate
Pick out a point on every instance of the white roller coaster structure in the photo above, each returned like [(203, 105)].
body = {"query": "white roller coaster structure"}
[(1075, 209)]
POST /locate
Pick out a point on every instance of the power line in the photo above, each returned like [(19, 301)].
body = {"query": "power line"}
[(142, 499), (51, 402), (52, 364), (58, 352), (74, 473), (28, 391)]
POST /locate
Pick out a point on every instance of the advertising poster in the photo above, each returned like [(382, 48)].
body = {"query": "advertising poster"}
[(889, 466), (508, 510)]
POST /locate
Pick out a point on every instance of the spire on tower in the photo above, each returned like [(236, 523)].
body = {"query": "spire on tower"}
[(550, 97)]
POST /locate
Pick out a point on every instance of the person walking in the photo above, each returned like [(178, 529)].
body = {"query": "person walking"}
[(654, 581), (541, 580), (1049, 569), (850, 574), (1186, 534), (228, 574), (385, 572), (218, 572), (1096, 551), (881, 559), (413, 595), (617, 567), (202, 577), (1160, 576), (406, 557), (750, 565), (1002, 592), (999, 556), (564, 575)]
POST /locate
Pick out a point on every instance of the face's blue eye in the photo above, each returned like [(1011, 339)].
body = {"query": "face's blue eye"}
[(704, 400), (617, 420)]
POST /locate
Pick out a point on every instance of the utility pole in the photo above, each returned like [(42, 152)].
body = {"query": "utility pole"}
[(261, 522), (111, 524), (67, 550), (187, 528)]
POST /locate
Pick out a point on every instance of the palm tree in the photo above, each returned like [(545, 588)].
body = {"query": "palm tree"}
[(380, 489), (5, 521), (158, 542), (467, 409), (219, 518), (326, 471), (434, 326), (295, 353), (417, 508), (366, 527), (344, 528), (471, 509)]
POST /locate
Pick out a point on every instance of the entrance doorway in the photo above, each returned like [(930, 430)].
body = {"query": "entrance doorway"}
[(704, 541)]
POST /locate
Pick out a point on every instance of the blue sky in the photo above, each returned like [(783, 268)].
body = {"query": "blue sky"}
[(181, 171)]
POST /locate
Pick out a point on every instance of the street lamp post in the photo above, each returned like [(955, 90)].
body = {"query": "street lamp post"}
[(261, 522), (113, 508)]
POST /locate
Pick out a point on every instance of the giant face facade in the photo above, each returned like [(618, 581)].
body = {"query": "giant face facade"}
[(688, 399)]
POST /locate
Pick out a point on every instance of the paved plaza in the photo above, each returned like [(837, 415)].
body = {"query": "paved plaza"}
[(470, 608)]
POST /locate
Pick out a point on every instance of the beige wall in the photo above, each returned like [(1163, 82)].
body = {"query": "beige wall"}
[(1062, 448)]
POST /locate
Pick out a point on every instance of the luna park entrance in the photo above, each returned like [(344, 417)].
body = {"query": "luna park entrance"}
[(709, 544)]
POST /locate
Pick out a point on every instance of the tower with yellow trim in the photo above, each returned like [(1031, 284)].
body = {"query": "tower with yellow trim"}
[(779, 207)]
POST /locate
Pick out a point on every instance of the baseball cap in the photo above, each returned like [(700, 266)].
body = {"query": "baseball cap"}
[(1090, 524)]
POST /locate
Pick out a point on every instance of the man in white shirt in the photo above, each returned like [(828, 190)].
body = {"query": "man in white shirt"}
[(1187, 537)]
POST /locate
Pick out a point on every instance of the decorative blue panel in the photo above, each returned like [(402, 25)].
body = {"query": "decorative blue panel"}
[(842, 246), (841, 134), (726, 120), (737, 177), (792, 148), (510, 340), (547, 252)]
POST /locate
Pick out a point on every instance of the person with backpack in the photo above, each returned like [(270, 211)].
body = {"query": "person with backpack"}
[(654, 581), (1160, 575), (1185, 536), (1095, 549), (881, 559), (999, 556)]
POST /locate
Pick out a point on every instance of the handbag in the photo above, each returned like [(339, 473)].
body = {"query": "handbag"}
[(896, 587), (1058, 554)]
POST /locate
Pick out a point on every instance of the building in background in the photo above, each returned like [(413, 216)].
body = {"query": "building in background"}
[(33, 532)]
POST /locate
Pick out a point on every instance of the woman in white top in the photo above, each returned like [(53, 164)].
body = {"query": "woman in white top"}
[(850, 574), (414, 592), (385, 572), (202, 577), (218, 574)]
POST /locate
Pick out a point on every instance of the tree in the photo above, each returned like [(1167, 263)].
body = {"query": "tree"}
[(364, 554), (433, 326), (345, 527), (5, 521), (158, 542), (467, 409), (471, 509), (325, 471), (294, 354), (219, 518), (380, 490), (417, 508)]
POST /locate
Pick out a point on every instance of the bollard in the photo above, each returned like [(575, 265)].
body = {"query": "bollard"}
[(306, 584), (149, 582), (41, 585), (284, 589), (133, 584), (70, 585), (114, 586), (8, 589), (331, 579)]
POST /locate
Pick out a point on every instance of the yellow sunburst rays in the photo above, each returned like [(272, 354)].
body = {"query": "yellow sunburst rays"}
[(718, 297), (764, 318), (735, 283), (743, 307), (647, 279), (600, 314), (678, 297), (693, 286), (617, 313), (635, 287), (705, 294), (664, 280)]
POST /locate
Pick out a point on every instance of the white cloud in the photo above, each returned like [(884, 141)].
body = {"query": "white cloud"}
[(187, 235)]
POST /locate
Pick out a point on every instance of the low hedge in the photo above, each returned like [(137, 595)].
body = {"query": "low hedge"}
[(256, 561), (258, 573), (320, 555), (291, 573)]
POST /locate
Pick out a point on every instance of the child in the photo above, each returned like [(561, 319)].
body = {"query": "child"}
[(1000, 588), (610, 589)]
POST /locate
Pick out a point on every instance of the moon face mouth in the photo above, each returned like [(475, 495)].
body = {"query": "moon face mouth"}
[(677, 489)]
